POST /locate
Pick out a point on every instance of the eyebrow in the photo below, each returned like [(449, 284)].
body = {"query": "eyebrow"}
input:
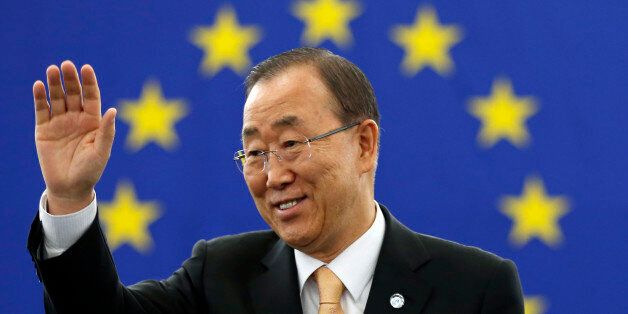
[(284, 121)]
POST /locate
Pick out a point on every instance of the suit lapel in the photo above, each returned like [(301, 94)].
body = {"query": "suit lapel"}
[(402, 254), (276, 290)]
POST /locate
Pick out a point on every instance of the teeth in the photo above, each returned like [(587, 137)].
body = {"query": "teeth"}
[(287, 205)]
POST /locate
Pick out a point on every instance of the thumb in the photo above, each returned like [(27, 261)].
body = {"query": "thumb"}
[(106, 132)]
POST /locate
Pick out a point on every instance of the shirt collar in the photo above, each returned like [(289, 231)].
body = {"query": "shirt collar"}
[(355, 266)]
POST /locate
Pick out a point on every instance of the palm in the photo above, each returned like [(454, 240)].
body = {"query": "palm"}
[(72, 140), (66, 150)]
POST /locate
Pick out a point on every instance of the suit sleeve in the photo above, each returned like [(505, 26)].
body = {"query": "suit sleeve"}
[(84, 280), (503, 294)]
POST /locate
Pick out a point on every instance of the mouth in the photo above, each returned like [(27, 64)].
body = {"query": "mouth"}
[(288, 204), (288, 209)]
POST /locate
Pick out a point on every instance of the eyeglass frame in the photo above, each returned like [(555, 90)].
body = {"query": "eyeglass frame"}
[(240, 154)]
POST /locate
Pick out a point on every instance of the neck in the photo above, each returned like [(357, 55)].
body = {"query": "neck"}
[(355, 227)]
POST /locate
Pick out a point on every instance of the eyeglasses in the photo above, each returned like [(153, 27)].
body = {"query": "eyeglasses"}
[(291, 152)]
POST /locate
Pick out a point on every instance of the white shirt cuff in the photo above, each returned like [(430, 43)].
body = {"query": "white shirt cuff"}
[(62, 231)]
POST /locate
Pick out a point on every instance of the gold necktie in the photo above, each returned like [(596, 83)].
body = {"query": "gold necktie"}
[(330, 290)]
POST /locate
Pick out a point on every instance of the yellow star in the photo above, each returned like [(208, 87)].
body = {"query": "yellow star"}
[(426, 43), (326, 19), (152, 118), (534, 305), (534, 214), (126, 219), (503, 115), (226, 43)]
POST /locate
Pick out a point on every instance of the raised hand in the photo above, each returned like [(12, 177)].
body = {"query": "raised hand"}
[(73, 139)]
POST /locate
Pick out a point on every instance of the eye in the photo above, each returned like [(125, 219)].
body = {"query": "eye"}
[(291, 144), (254, 153)]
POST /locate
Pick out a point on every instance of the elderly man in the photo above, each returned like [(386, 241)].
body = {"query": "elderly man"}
[(310, 145)]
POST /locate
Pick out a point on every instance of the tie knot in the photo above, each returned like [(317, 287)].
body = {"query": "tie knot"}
[(330, 287)]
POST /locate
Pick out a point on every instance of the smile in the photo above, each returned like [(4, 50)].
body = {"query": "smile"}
[(289, 203)]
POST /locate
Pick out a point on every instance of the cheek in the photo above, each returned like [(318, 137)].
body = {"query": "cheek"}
[(338, 170), (341, 164), (257, 186), (337, 181), (330, 179)]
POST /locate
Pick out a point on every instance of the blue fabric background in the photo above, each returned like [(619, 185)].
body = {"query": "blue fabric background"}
[(571, 56)]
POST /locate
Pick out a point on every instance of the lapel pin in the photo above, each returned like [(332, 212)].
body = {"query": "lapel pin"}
[(397, 300)]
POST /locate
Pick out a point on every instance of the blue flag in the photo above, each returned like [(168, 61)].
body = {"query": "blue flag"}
[(504, 126)]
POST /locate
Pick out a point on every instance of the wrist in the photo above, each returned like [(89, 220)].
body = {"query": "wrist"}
[(63, 205)]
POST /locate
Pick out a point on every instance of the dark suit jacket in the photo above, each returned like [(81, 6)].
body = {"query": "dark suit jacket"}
[(256, 273)]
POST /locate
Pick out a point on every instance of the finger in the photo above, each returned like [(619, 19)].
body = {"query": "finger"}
[(72, 86), (42, 109), (55, 89), (106, 133), (91, 93)]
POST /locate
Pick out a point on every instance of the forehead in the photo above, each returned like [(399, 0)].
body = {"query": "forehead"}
[(294, 97)]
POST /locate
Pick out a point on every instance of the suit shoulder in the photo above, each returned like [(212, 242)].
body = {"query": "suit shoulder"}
[(460, 257), (470, 271), (237, 248)]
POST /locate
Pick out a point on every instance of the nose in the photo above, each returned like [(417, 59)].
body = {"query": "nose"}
[(278, 174)]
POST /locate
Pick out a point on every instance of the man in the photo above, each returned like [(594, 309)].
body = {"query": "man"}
[(310, 146)]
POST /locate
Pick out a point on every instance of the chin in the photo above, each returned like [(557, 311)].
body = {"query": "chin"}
[(295, 238)]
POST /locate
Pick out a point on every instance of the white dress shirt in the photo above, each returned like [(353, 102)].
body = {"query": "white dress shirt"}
[(62, 231), (355, 266)]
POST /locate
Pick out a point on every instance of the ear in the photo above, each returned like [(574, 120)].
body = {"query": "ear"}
[(368, 134)]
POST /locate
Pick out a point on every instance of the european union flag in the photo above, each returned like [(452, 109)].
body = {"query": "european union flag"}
[(504, 127)]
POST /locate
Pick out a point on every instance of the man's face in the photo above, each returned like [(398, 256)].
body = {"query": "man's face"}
[(326, 185)]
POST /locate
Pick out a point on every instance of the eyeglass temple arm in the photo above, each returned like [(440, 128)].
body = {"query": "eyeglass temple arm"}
[(315, 138), (332, 132), (240, 156)]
